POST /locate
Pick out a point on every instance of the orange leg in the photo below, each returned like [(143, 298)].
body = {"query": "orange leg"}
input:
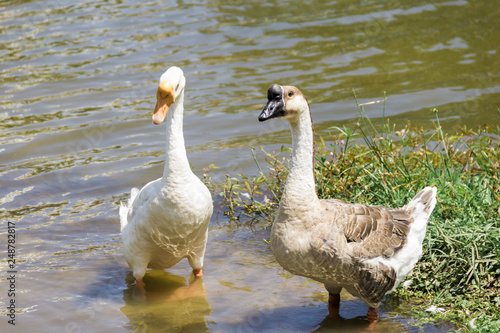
[(372, 316), (333, 304), (139, 283), (141, 291), (198, 272)]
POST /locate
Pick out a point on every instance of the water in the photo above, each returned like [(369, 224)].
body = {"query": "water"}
[(77, 92)]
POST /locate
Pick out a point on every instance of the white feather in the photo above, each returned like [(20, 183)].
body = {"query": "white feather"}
[(406, 258)]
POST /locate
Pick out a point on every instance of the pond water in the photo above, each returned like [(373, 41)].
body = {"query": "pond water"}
[(78, 81)]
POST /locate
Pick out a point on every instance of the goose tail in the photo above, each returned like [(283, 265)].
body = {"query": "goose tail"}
[(421, 207), (125, 207)]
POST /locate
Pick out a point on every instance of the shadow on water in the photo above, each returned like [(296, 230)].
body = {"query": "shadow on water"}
[(167, 301)]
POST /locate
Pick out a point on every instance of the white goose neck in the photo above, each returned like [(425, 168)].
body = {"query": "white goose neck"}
[(301, 186), (176, 162)]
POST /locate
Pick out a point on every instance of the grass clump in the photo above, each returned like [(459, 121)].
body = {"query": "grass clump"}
[(382, 165), (254, 200)]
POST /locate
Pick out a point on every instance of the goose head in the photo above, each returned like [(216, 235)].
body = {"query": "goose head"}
[(171, 85), (284, 102)]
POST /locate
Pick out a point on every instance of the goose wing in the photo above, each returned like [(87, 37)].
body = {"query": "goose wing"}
[(372, 231)]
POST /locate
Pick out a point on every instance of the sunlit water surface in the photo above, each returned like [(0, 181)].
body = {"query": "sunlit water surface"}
[(78, 81)]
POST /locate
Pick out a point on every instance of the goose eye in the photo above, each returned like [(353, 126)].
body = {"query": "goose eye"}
[(290, 94), (177, 86)]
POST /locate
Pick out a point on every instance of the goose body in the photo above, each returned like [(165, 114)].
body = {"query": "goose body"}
[(366, 250), (167, 220)]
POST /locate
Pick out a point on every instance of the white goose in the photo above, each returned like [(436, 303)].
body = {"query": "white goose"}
[(167, 220), (366, 250)]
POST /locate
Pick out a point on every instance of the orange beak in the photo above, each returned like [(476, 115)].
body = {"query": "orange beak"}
[(164, 98)]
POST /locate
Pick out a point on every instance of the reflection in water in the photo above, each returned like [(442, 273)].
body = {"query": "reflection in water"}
[(168, 302), (339, 324)]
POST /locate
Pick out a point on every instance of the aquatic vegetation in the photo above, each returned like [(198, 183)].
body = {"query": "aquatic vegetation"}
[(385, 164)]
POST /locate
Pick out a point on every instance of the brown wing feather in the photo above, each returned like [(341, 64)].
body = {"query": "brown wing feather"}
[(372, 231), (373, 283)]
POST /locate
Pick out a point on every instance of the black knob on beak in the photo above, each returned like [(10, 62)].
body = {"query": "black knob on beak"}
[(275, 106)]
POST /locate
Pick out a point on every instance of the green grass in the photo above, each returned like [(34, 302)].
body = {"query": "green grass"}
[(383, 164)]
